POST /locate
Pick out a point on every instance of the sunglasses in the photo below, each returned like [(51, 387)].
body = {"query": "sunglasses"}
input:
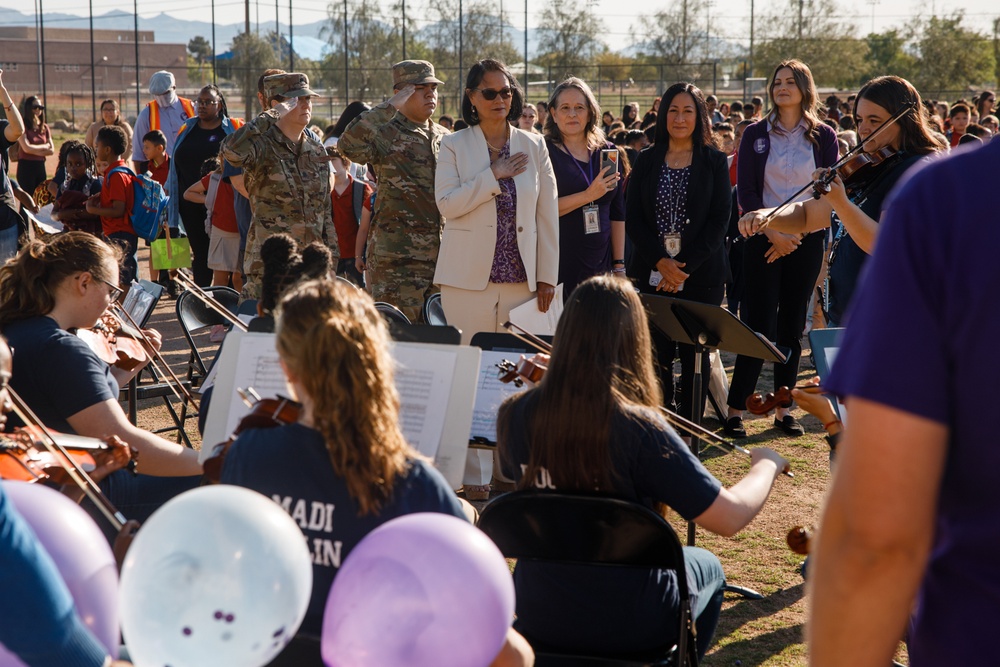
[(489, 94), (38, 107)]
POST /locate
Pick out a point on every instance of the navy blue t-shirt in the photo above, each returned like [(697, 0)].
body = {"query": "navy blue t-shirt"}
[(55, 372), (609, 610), (921, 338), (848, 257), (291, 465)]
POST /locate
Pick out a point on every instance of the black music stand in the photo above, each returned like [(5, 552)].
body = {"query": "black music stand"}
[(707, 328)]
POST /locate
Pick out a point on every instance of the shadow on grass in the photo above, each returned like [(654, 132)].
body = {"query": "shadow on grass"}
[(745, 611), (755, 650)]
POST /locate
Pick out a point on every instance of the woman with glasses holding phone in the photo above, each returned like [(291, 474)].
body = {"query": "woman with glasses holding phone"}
[(500, 248), (591, 196), (35, 145), (199, 139), (47, 292)]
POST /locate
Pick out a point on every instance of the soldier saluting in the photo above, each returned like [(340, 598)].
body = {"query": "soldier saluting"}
[(286, 173), (400, 141)]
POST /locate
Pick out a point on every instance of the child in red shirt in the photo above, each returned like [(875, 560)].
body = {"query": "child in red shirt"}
[(154, 149), (351, 205), (114, 203)]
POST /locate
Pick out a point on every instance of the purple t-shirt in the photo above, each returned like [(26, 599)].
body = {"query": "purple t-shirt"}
[(922, 338), (584, 255)]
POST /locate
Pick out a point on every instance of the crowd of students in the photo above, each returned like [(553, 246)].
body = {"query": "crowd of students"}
[(527, 197)]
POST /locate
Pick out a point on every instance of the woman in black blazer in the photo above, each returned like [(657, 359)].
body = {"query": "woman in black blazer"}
[(677, 213)]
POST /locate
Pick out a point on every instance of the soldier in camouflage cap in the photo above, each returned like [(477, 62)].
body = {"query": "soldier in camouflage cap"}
[(286, 173), (400, 141)]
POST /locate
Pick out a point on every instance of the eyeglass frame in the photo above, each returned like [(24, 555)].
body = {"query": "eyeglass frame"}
[(117, 292), (489, 94)]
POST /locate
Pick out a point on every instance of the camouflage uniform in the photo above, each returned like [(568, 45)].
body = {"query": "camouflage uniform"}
[(288, 182), (406, 224)]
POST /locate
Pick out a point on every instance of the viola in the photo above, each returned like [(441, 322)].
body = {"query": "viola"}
[(799, 540), (23, 458), (266, 413), (856, 171)]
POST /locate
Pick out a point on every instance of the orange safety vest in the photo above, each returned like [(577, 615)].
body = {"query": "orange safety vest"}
[(154, 112)]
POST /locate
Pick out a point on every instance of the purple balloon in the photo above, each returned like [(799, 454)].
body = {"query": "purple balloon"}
[(402, 597), (80, 552)]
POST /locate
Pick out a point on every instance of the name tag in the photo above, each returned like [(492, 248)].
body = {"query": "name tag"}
[(591, 219)]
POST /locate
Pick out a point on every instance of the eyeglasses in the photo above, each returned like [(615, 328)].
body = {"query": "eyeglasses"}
[(528, 115), (116, 291), (38, 107), (207, 103), (489, 94)]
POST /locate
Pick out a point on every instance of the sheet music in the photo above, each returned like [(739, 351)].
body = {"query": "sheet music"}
[(528, 317), (490, 393), (423, 380)]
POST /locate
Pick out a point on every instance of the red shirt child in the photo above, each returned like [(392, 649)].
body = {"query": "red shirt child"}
[(344, 220), (117, 187), (224, 211)]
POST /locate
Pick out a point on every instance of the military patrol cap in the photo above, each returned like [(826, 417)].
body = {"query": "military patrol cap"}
[(292, 84), (415, 72)]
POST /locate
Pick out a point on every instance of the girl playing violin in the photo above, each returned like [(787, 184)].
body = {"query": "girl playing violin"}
[(858, 210), (344, 469), (47, 291), (594, 426)]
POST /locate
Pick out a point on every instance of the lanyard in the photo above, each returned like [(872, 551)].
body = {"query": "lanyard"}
[(590, 167)]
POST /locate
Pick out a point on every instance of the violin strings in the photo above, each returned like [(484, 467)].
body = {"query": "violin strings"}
[(75, 472)]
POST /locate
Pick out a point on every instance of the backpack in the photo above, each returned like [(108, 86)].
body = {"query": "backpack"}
[(149, 205)]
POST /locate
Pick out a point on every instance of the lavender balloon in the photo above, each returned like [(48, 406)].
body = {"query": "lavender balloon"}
[(401, 596), (80, 553)]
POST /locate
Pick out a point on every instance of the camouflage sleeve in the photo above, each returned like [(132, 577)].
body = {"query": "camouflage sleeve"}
[(240, 147), (360, 142)]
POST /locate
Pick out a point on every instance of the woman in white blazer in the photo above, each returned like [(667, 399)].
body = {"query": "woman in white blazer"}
[(496, 191)]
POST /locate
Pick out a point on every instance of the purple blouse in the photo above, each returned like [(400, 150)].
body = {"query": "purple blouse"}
[(507, 264)]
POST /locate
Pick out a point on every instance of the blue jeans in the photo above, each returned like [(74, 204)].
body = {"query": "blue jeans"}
[(8, 243), (129, 243), (137, 496), (706, 582)]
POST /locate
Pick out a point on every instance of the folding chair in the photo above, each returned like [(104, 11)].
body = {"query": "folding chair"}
[(434, 311), (593, 530), (193, 315), (391, 313)]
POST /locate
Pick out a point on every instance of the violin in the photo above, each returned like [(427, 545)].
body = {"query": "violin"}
[(855, 171), (34, 454), (527, 369), (265, 413), (762, 404), (115, 344)]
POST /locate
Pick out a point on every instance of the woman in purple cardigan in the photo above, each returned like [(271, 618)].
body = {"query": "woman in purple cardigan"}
[(777, 157)]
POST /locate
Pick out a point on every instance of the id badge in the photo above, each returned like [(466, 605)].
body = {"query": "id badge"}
[(672, 244), (591, 219), (654, 278)]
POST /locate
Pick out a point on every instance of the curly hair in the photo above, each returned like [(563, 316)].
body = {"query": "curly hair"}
[(285, 265), (335, 345)]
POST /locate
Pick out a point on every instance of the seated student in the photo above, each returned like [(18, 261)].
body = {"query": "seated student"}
[(347, 453), (154, 149), (48, 291), (216, 193), (351, 200), (594, 426), (114, 202), (77, 164)]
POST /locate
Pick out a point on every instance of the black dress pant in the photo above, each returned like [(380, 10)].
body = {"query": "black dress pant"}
[(30, 174), (666, 350), (194, 216), (775, 298)]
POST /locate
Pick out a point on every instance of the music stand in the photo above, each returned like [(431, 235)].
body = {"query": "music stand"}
[(707, 328)]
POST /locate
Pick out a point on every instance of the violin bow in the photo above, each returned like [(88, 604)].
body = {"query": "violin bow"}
[(707, 436), (178, 388), (828, 177), (209, 300), (528, 337), (75, 472)]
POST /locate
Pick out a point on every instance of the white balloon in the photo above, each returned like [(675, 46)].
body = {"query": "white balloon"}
[(220, 575)]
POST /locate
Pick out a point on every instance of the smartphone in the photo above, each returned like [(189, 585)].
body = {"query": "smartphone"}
[(609, 158)]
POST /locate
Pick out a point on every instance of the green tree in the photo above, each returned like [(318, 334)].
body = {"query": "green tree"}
[(676, 34), (806, 30), (887, 52), (569, 37), (952, 57), (372, 44), (252, 55)]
